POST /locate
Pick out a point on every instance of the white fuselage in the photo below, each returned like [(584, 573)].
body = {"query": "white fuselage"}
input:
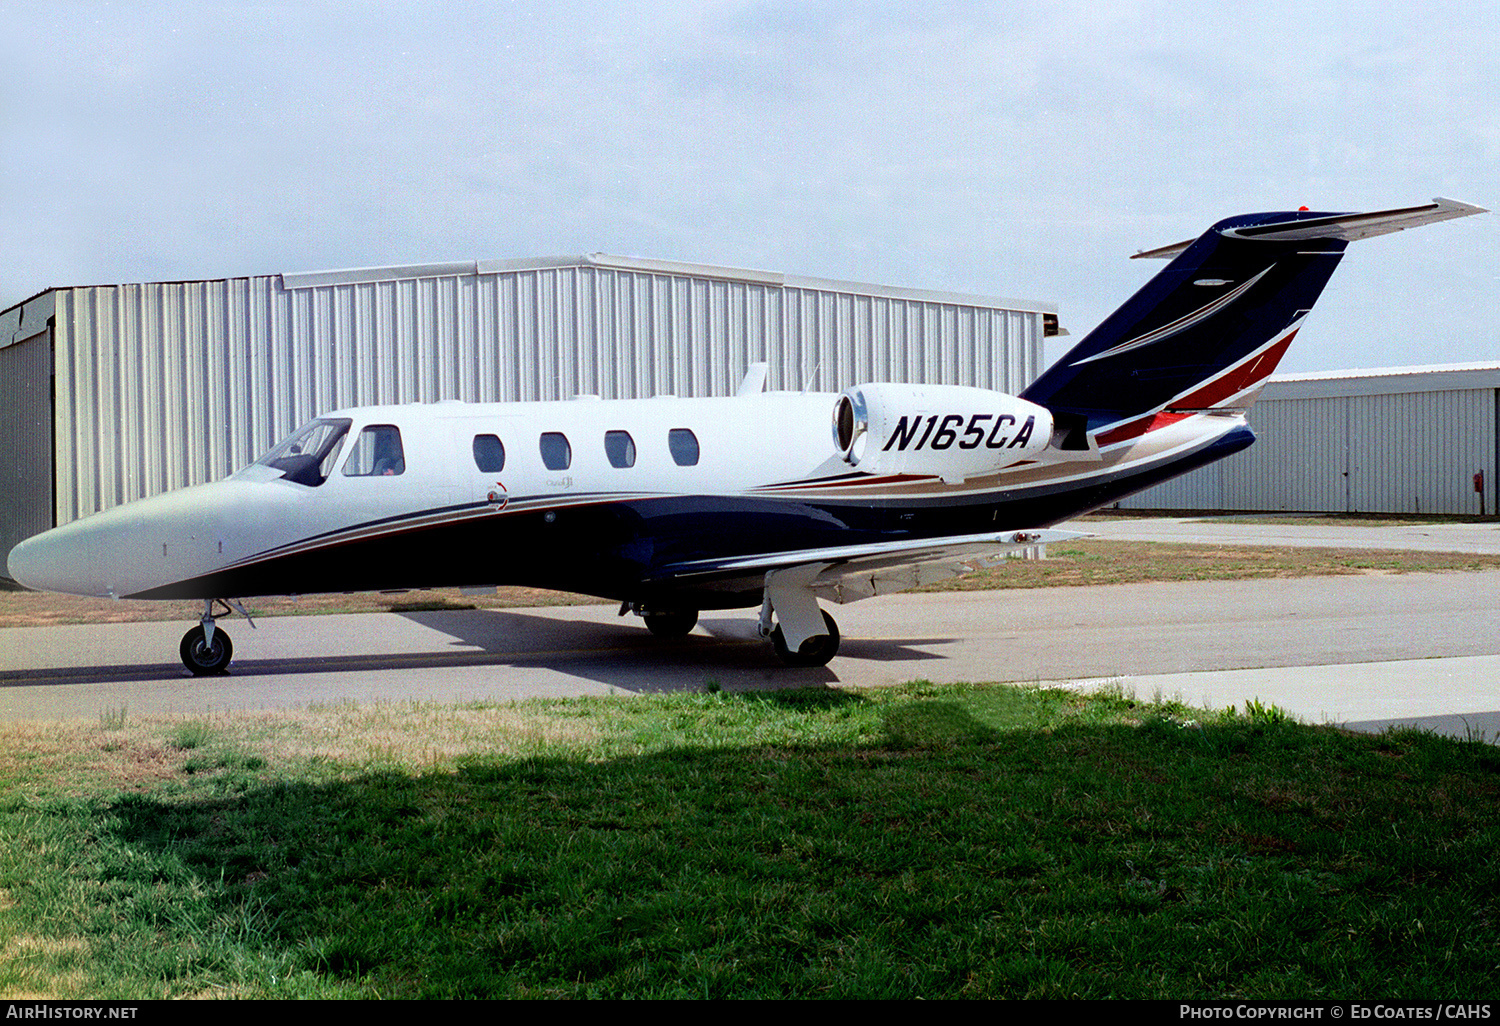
[(770, 446)]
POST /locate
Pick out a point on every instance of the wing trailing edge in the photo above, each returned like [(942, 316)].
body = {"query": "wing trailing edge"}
[(847, 573)]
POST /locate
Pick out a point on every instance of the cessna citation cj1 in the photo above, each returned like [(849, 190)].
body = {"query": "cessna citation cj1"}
[(671, 506)]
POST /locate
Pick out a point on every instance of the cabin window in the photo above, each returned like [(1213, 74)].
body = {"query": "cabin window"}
[(620, 448), (489, 454), (683, 445), (308, 456), (377, 453), (557, 454)]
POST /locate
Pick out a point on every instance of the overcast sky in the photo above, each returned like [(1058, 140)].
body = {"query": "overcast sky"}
[(1010, 149)]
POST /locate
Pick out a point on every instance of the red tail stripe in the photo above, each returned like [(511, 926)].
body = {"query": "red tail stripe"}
[(1237, 380), (1136, 428), (1207, 396)]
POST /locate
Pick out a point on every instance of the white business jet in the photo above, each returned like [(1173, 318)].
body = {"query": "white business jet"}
[(673, 506)]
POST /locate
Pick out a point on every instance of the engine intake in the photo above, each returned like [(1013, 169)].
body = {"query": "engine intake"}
[(949, 431)]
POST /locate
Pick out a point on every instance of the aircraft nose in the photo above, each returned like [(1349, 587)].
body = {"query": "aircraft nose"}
[(59, 560), (136, 546)]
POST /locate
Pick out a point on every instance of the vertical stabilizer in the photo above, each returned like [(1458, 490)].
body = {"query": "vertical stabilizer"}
[(1208, 330)]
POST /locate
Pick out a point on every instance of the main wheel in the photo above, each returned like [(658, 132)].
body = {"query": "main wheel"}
[(205, 659), (815, 651), (674, 624)]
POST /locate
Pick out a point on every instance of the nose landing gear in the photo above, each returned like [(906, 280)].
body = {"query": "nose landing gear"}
[(206, 650)]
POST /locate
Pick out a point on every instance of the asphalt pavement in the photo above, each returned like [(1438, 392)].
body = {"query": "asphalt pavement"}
[(1364, 650)]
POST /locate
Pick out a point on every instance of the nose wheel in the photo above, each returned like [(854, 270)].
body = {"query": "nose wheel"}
[(205, 656), (206, 649)]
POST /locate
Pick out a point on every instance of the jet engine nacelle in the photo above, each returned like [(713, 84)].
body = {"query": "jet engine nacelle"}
[(948, 431)]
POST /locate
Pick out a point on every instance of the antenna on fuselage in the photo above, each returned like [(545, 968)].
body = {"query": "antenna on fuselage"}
[(807, 380), (755, 380)]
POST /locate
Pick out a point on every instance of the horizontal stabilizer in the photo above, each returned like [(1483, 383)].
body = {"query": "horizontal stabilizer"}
[(1348, 227)]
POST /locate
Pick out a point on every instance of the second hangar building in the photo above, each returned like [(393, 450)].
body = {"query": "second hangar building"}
[(1417, 440)]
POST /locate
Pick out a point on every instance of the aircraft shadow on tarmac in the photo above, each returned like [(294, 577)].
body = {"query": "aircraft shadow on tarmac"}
[(622, 655)]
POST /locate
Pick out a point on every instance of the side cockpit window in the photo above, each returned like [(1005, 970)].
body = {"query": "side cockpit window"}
[(683, 445), (557, 454), (377, 452), (489, 453), (309, 455)]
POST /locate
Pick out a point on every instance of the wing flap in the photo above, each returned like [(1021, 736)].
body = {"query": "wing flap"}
[(853, 572)]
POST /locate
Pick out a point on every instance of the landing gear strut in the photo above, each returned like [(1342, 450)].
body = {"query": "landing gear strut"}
[(206, 650)]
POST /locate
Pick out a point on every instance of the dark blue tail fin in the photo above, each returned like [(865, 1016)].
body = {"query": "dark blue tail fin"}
[(1207, 331)]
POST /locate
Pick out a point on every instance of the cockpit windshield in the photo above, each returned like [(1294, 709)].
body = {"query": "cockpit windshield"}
[(308, 456)]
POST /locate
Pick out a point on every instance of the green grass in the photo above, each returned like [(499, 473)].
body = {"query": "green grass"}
[(955, 841)]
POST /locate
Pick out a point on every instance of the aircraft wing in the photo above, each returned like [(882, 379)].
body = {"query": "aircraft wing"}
[(848, 573)]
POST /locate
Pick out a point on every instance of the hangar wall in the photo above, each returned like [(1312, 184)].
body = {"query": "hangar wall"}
[(163, 385), (1404, 440), (26, 426)]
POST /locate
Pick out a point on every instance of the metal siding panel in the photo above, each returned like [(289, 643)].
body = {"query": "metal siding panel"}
[(904, 339), (466, 338), (1300, 457), (26, 424), (65, 454), (693, 342), (1417, 452), (871, 339), (680, 329), (739, 333), (715, 341), (565, 334), (932, 342), (838, 371)]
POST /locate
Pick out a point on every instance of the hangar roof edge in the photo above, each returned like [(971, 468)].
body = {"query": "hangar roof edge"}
[(1441, 377), (777, 279), (292, 280)]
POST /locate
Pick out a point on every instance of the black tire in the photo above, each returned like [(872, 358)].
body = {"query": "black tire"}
[(206, 660), (816, 650), (675, 624)]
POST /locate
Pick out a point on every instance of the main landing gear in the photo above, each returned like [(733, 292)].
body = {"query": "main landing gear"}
[(206, 649), (664, 623), (677, 623), (815, 651), (804, 635), (800, 632)]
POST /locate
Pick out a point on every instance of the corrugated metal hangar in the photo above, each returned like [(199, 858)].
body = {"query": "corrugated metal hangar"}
[(1398, 440), (111, 393)]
